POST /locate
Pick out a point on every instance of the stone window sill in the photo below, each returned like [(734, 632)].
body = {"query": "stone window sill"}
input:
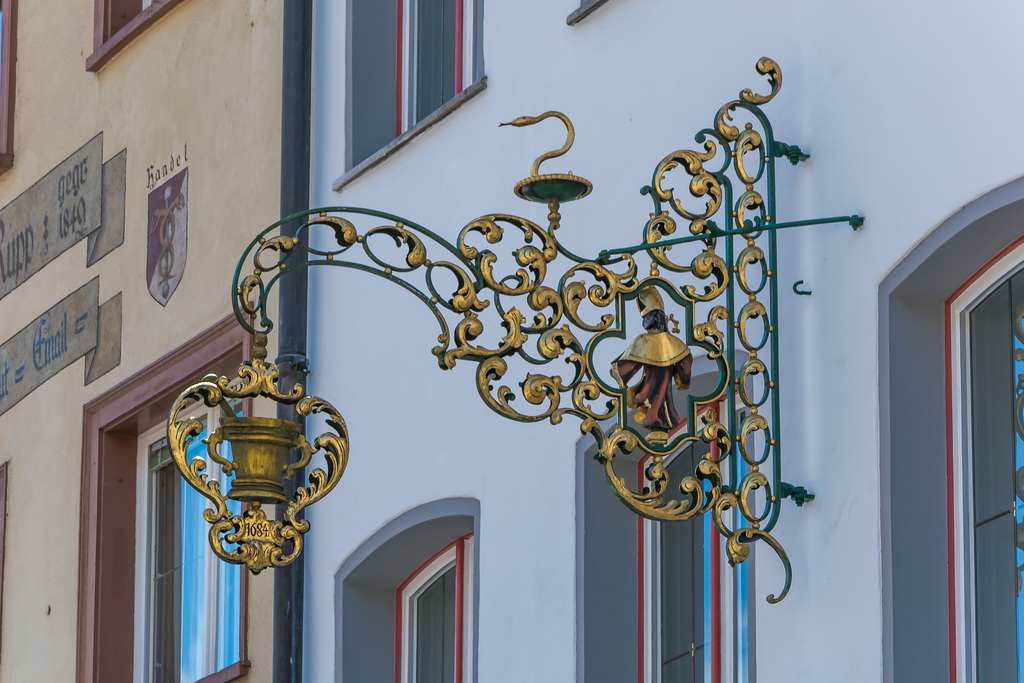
[(584, 11), (402, 140), (230, 673)]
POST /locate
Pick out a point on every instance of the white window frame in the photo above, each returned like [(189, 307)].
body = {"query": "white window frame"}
[(961, 518), (407, 68), (142, 662), (414, 586)]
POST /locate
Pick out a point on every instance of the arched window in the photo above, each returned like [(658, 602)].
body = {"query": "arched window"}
[(406, 604), (434, 618), (926, 499), (986, 355)]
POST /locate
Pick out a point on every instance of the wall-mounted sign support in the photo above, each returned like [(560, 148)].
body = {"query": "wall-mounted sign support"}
[(572, 341)]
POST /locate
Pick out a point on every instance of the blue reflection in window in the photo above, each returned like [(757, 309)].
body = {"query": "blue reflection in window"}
[(1018, 513), (708, 645), (196, 632), (193, 570), (742, 617), (229, 578)]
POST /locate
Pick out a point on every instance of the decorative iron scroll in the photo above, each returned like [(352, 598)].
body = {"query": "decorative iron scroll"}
[(565, 338), (251, 538)]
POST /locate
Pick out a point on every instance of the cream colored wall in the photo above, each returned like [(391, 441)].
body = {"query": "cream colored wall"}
[(207, 75)]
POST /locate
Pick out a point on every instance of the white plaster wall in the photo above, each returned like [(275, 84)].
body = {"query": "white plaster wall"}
[(908, 116)]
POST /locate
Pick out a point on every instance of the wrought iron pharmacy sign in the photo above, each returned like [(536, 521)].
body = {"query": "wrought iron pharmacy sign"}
[(600, 342)]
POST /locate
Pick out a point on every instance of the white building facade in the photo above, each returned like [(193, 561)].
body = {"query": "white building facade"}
[(461, 545)]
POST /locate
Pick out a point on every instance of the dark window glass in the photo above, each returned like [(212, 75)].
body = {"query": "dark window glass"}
[(683, 576), (997, 451), (435, 55), (391, 90), (435, 630), (165, 521), (120, 13), (372, 73)]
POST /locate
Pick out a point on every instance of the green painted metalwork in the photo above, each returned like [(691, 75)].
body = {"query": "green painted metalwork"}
[(460, 285), (801, 292), (748, 227), (799, 494)]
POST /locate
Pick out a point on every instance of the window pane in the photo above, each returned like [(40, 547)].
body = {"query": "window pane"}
[(681, 670), (997, 361), (435, 55), (165, 629), (195, 600), (995, 590), (228, 617), (229, 577), (372, 76), (745, 606), (684, 577), (166, 590), (193, 580), (991, 411), (1017, 339), (435, 631)]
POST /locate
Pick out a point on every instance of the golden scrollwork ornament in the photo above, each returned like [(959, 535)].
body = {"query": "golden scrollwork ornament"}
[(258, 466), (515, 319)]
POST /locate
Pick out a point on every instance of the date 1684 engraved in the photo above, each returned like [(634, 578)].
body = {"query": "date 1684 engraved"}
[(257, 528), (253, 525)]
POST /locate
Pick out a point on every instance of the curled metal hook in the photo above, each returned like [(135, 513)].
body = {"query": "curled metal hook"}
[(801, 292)]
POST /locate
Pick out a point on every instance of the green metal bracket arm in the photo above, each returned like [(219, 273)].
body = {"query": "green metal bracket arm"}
[(714, 231), (799, 494), (791, 152)]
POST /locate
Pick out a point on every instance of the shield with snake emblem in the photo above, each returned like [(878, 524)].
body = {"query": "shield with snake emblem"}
[(168, 237)]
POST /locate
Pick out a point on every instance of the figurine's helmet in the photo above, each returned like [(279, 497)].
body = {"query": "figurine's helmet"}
[(649, 300)]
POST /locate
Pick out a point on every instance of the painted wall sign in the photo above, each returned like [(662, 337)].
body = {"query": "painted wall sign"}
[(60, 209), (162, 170), (168, 237), (111, 232), (69, 330)]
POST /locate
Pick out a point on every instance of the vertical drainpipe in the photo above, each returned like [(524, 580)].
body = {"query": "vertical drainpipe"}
[(296, 96)]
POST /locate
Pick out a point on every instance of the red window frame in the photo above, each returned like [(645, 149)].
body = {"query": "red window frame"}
[(106, 572), (715, 600), (400, 92), (116, 23), (459, 546)]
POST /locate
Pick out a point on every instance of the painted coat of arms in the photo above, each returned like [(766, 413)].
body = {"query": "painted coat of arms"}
[(168, 237)]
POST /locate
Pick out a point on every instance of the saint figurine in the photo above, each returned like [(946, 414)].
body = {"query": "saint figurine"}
[(664, 358)]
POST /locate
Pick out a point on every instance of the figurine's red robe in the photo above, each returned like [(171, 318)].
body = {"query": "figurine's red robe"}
[(663, 358)]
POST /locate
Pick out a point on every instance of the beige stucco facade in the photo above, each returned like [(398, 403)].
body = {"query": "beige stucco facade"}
[(200, 85)]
